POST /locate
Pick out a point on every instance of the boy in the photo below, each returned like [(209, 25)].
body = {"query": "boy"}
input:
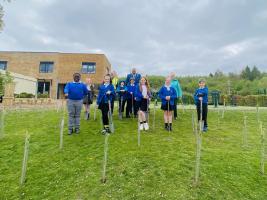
[(104, 99), (75, 92), (131, 103), (201, 97)]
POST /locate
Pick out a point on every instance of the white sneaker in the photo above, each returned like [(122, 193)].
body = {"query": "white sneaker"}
[(146, 126), (141, 127)]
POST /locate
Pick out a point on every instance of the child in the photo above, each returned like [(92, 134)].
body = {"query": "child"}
[(142, 96), (168, 96), (75, 92), (122, 97), (201, 97), (131, 103), (104, 98), (88, 99)]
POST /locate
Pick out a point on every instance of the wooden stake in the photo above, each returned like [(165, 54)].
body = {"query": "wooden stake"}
[(25, 159)]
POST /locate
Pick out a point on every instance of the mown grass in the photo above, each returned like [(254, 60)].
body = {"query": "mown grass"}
[(161, 168)]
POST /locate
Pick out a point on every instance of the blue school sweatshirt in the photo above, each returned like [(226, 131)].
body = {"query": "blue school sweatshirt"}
[(131, 88), (75, 90), (163, 92), (102, 96), (138, 94), (201, 92)]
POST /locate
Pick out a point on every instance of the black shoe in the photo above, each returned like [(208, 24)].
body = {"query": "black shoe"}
[(77, 130), (128, 116), (108, 130), (70, 132)]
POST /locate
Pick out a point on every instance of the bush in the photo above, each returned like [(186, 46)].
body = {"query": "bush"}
[(24, 95), (250, 100), (45, 95)]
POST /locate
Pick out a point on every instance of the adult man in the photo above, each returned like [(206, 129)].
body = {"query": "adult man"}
[(176, 85), (133, 75), (75, 92)]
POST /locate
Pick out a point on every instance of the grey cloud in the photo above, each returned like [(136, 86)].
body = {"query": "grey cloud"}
[(156, 36)]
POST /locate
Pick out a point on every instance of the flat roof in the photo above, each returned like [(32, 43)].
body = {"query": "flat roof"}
[(52, 52)]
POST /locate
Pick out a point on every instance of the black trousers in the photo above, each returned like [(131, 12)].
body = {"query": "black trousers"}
[(131, 105), (175, 107), (204, 113), (104, 109)]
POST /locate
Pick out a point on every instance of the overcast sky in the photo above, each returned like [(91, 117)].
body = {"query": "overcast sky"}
[(191, 37)]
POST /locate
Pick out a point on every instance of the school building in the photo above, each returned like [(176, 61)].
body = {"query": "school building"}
[(53, 70)]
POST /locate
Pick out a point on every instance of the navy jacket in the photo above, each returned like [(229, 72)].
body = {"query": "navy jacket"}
[(121, 94), (137, 78), (201, 92), (102, 96), (75, 91), (163, 92)]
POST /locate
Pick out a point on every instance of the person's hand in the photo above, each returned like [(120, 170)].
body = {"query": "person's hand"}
[(131, 92), (168, 98), (145, 97), (66, 95), (200, 98), (108, 92)]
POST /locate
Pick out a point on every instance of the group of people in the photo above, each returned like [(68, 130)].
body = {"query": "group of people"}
[(135, 93)]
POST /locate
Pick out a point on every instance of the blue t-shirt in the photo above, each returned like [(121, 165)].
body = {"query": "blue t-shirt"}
[(75, 90)]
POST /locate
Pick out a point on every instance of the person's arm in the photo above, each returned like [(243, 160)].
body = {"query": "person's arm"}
[(174, 94), (160, 94), (66, 90), (196, 97), (180, 93)]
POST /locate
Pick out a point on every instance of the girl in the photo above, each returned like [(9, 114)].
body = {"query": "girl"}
[(142, 96), (88, 99), (168, 96), (104, 99), (122, 96)]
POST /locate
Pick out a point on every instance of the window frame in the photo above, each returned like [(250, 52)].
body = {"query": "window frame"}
[(88, 64), (49, 67), (5, 62)]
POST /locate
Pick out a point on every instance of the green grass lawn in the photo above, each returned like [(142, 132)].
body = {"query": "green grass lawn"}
[(161, 168)]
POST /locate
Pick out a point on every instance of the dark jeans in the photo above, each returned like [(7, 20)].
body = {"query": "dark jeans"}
[(175, 107), (204, 113), (131, 105)]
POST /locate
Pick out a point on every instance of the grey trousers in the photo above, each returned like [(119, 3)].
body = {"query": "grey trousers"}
[(74, 110)]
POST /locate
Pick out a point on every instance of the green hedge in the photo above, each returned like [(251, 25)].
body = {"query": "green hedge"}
[(250, 100)]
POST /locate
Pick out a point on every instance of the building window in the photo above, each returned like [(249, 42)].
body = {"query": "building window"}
[(46, 67), (43, 87), (88, 67), (3, 65)]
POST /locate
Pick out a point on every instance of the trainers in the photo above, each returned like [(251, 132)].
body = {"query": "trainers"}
[(104, 131), (77, 130), (70, 131), (205, 129), (146, 126), (141, 127)]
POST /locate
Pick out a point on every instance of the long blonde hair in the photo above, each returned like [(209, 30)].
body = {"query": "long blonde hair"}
[(147, 84)]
